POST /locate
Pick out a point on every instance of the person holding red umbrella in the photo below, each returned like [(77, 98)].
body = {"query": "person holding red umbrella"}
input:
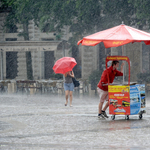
[(68, 86), (64, 66), (102, 87)]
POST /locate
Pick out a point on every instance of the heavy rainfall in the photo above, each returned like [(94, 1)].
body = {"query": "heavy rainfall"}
[(41, 107)]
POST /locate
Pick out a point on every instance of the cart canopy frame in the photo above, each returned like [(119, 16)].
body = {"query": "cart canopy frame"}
[(125, 58)]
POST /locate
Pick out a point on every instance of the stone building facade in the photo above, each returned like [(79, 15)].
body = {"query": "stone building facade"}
[(44, 46)]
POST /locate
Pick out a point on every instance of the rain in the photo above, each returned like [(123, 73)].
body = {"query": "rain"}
[(34, 35)]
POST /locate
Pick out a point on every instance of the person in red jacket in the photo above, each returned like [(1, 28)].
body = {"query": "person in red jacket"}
[(102, 87)]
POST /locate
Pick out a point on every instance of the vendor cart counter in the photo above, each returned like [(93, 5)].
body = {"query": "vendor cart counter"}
[(126, 100)]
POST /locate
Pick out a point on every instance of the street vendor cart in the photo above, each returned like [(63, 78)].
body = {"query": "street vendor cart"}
[(125, 99)]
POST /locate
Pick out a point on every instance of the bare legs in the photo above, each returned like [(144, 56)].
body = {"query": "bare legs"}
[(101, 105), (105, 107), (68, 94)]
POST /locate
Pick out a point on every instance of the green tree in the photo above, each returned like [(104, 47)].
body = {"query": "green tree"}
[(83, 17), (142, 11), (118, 11), (54, 13)]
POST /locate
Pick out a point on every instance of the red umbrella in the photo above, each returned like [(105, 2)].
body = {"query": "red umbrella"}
[(116, 36), (64, 65)]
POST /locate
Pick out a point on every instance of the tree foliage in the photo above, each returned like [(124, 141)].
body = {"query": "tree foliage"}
[(142, 11), (83, 17)]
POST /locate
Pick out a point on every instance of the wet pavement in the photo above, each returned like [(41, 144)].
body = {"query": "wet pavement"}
[(42, 122)]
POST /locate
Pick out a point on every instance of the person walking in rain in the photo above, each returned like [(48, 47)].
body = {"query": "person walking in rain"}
[(69, 86), (102, 87)]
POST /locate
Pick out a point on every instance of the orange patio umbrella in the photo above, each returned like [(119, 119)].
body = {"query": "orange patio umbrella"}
[(116, 36)]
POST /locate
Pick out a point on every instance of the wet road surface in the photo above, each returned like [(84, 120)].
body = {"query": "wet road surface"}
[(43, 122)]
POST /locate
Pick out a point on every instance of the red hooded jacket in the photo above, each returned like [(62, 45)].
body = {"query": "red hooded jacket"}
[(104, 79)]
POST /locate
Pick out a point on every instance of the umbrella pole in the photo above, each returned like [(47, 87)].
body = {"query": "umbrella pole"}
[(63, 56), (122, 50), (123, 55)]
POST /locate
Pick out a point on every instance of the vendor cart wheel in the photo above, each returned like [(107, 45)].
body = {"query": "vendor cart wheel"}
[(113, 117), (127, 117), (140, 116)]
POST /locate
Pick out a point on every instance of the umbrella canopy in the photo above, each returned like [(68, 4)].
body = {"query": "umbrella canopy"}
[(116, 36), (64, 65)]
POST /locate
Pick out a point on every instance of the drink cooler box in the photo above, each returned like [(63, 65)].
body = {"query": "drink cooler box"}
[(127, 100)]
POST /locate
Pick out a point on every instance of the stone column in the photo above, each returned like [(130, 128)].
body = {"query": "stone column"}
[(36, 62), (22, 67), (81, 88), (133, 51), (4, 65), (89, 60), (91, 92), (13, 86), (114, 51), (9, 88)]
